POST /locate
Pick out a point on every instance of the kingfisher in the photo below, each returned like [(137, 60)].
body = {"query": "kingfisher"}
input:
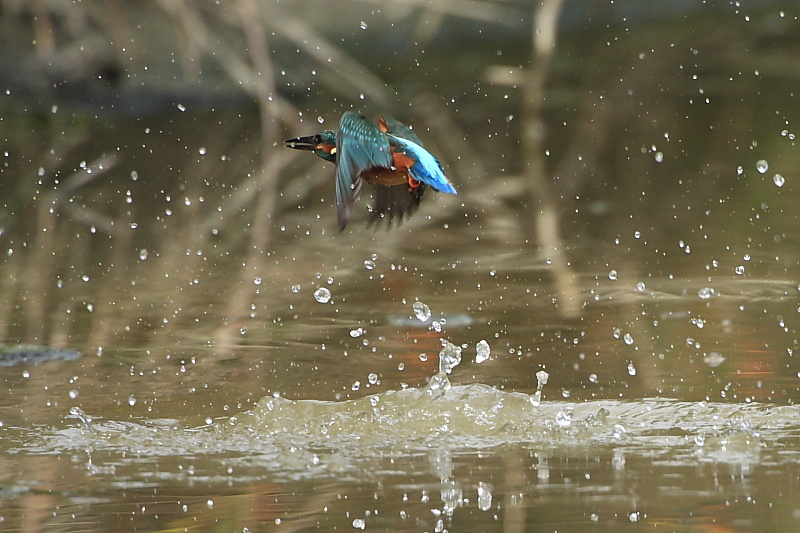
[(388, 155)]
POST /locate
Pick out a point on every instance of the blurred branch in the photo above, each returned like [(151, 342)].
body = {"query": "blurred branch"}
[(81, 178), (350, 74), (542, 202), (475, 10)]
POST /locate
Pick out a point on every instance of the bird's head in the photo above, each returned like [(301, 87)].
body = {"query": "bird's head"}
[(323, 144)]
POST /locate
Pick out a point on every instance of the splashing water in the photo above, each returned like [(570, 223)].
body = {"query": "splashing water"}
[(449, 358), (541, 378)]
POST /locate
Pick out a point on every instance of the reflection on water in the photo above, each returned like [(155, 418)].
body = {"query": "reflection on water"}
[(236, 363)]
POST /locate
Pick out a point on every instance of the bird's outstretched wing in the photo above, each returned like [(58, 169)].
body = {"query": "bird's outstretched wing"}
[(360, 146)]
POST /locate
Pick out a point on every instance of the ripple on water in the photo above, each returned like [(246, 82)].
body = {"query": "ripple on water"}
[(287, 434)]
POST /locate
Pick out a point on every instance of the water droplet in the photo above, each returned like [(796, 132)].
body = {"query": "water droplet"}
[(201, 150), (739, 170), (363, 25), (181, 108), (739, 270), (631, 369), (373, 379), (640, 286), (355, 333), (73, 393), (295, 288), (713, 359), (369, 264), (700, 440), (762, 166), (483, 351), (321, 121), (423, 357), (779, 180), (356, 385), (564, 418), (132, 400), (612, 275), (593, 378), (705, 293), (143, 254), (421, 311), (322, 295), (659, 157), (257, 280), (628, 338), (618, 431)]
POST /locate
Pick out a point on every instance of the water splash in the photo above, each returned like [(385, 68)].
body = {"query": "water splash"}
[(78, 413), (449, 358), (541, 378)]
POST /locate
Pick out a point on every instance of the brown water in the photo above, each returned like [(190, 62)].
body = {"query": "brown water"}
[(220, 387)]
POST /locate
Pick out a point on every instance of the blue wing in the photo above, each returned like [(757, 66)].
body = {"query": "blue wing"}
[(360, 146), (400, 130), (426, 168)]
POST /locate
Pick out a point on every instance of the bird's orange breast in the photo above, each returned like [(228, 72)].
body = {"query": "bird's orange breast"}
[(385, 176), (390, 176)]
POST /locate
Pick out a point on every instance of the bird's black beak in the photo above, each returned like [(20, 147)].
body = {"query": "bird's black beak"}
[(303, 143)]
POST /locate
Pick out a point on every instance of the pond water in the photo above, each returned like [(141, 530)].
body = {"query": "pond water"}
[(192, 345)]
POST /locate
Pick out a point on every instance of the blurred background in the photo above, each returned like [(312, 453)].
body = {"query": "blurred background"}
[(625, 222)]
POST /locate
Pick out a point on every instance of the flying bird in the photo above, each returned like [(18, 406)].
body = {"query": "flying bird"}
[(388, 155)]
